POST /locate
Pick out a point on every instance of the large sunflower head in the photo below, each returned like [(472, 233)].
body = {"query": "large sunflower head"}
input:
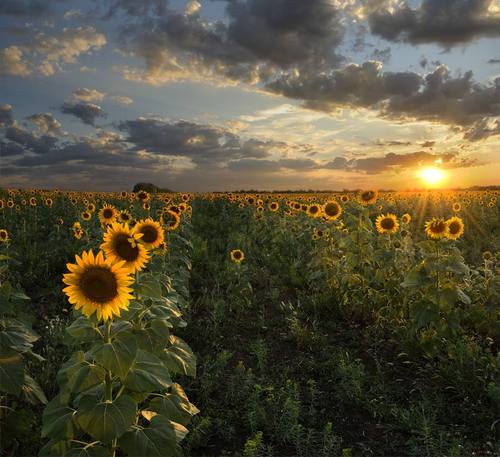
[(98, 285), (107, 214), (332, 210), (237, 256), (368, 197), (152, 233), (122, 243), (455, 228), (387, 223), (436, 228)]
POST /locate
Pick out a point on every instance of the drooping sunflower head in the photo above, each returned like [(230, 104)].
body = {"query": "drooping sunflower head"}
[(122, 243), (98, 285), (332, 210), (406, 218), (455, 228), (237, 256), (314, 210), (368, 197), (107, 214), (436, 228), (387, 223), (4, 236), (152, 233)]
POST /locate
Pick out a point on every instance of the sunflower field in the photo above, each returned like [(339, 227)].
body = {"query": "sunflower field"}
[(249, 325)]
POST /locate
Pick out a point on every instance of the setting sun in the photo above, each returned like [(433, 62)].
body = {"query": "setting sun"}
[(432, 176)]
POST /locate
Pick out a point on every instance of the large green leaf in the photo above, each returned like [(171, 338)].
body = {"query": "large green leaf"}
[(106, 420), (117, 356), (32, 391), (11, 371), (92, 451), (82, 329), (87, 376), (148, 373), (150, 287), (159, 439), (58, 420), (174, 405), (179, 357)]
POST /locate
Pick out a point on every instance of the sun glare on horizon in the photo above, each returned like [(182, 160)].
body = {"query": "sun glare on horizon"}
[(432, 176)]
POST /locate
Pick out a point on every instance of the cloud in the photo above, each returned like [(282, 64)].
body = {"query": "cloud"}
[(12, 63), (446, 22), (34, 143), (88, 95), (46, 123), (86, 112), (122, 100), (46, 54), (493, 61), (437, 97), (258, 38), (6, 117), (193, 7), (203, 144)]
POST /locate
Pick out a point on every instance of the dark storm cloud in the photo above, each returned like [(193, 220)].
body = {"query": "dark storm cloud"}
[(86, 112), (34, 143), (10, 149), (437, 97), (258, 37), (6, 118), (136, 8), (446, 22), (201, 143)]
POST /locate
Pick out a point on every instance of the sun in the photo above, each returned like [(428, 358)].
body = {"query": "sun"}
[(432, 176)]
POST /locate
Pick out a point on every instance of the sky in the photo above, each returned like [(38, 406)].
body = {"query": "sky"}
[(220, 95)]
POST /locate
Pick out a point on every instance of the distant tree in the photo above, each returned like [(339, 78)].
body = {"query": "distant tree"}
[(149, 187)]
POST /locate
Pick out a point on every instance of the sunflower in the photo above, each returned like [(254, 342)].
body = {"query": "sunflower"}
[(124, 216), (86, 216), (107, 214), (173, 220), (33, 201), (78, 233), (91, 207), (4, 236), (314, 210), (143, 195), (48, 202), (98, 285), (387, 223), (368, 197), (274, 206), (455, 228), (152, 233), (237, 256), (405, 218), (344, 198), (331, 210), (60, 221), (122, 243), (146, 206), (457, 207), (436, 228)]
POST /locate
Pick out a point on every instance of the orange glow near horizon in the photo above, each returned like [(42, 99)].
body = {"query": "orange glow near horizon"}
[(432, 176)]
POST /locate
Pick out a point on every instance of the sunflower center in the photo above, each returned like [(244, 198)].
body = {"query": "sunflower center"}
[(107, 213), (150, 234), (438, 227), (366, 196), (124, 217), (3, 235), (124, 248), (237, 255), (99, 285), (331, 209), (387, 223), (313, 209), (454, 228)]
